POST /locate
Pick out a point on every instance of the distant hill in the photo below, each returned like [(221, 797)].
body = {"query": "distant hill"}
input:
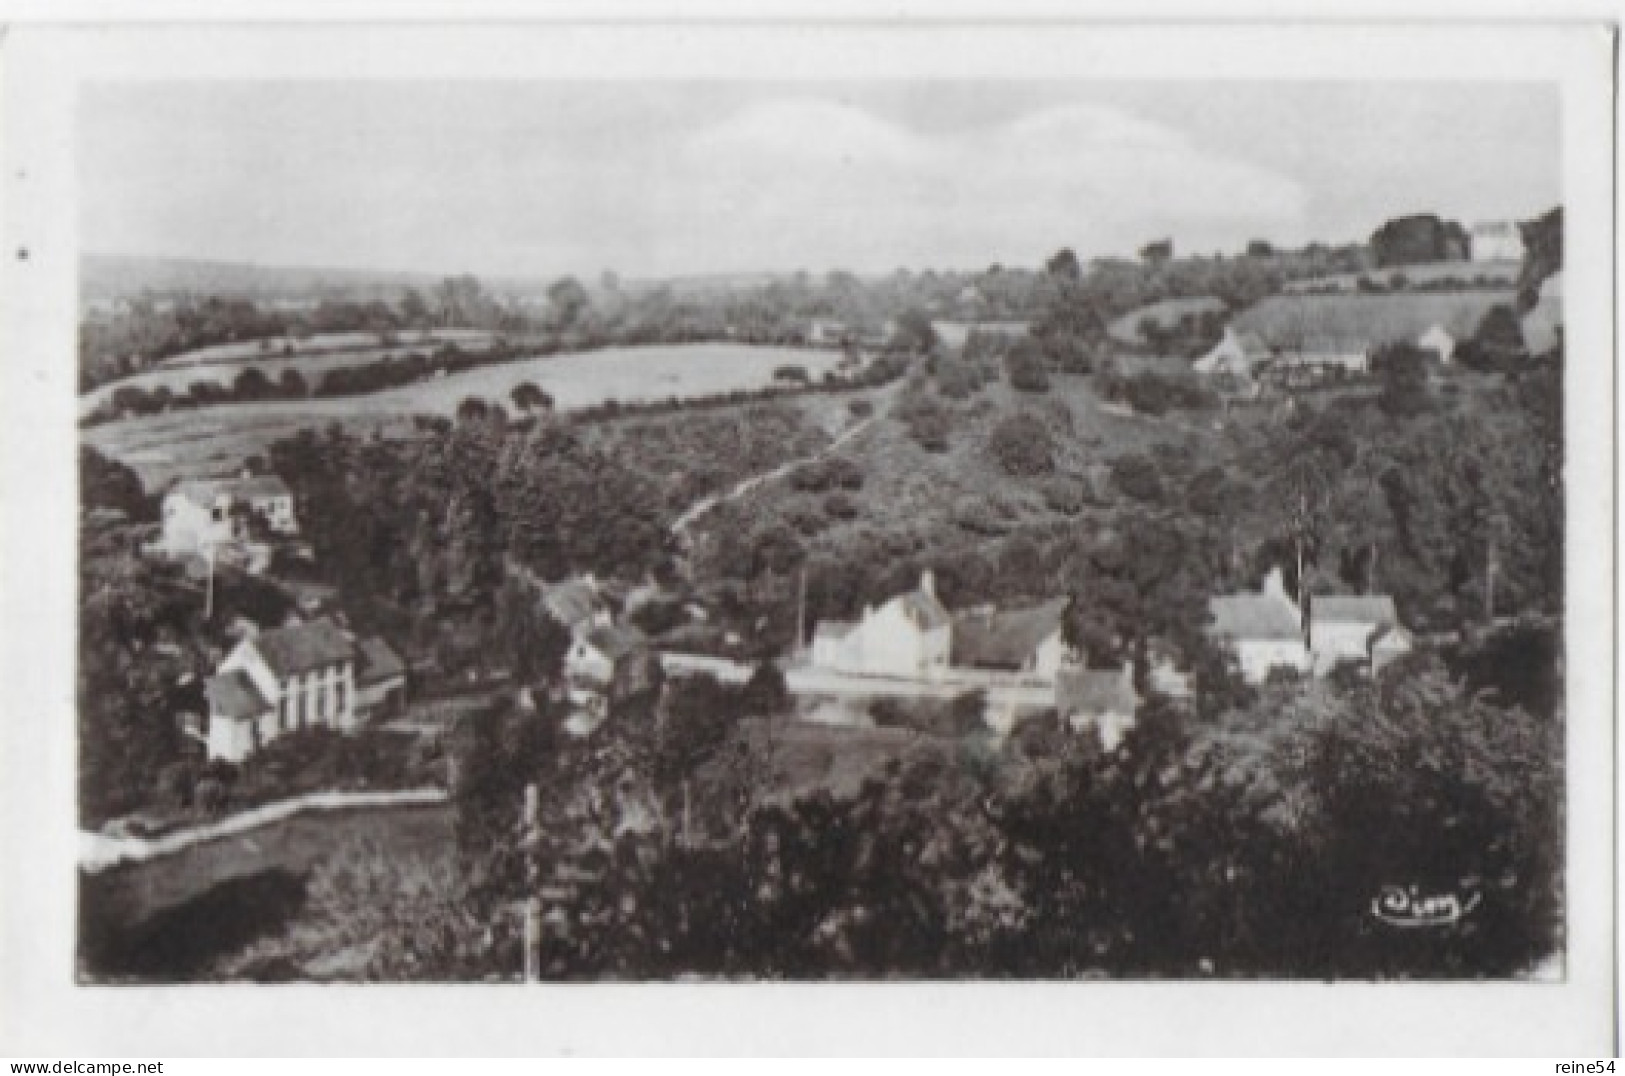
[(108, 277)]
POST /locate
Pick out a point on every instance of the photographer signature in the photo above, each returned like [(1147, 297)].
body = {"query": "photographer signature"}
[(1407, 907)]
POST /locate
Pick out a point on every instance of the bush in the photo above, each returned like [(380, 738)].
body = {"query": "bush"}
[(1022, 446), (1137, 477), (958, 380), (843, 473), (1025, 368), (1064, 494), (840, 506)]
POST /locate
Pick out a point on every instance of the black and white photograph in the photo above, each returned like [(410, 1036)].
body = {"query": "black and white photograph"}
[(817, 524)]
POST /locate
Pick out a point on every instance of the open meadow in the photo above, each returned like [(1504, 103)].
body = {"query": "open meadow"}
[(248, 351), (312, 358), (216, 439)]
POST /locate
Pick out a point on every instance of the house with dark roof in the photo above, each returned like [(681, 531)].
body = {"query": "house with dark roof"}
[(607, 665), (908, 636), (1026, 640), (1104, 700), (297, 677)]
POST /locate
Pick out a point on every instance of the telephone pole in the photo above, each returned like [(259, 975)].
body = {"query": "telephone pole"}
[(530, 840)]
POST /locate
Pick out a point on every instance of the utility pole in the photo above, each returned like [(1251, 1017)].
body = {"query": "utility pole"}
[(801, 612), (208, 586), (530, 840)]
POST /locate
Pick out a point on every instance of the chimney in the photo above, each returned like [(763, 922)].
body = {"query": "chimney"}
[(928, 582)]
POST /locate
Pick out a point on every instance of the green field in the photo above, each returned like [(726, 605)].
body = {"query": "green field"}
[(248, 351), (1285, 320), (216, 439), (312, 358)]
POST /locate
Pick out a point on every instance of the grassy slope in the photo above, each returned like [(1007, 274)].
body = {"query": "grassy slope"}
[(911, 495)]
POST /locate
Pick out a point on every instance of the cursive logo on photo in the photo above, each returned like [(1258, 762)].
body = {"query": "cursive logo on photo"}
[(1406, 906)]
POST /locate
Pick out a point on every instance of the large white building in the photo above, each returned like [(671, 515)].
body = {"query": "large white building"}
[(909, 636), (1496, 241), (304, 676)]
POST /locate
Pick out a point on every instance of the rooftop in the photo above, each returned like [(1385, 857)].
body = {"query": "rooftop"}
[(298, 649), (377, 662), (233, 695), (923, 609), (1376, 609), (1004, 640), (571, 601), (616, 643), (1254, 617), (1095, 692), (203, 492)]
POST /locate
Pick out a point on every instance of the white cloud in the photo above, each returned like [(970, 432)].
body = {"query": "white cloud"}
[(812, 182)]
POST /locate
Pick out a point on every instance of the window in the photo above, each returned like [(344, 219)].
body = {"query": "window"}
[(338, 697)]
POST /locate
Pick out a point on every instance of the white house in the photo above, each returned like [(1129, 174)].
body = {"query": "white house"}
[(1496, 241), (910, 635), (292, 678), (1268, 630), (1023, 641), (1438, 340), (201, 515), (1347, 628), (1264, 630)]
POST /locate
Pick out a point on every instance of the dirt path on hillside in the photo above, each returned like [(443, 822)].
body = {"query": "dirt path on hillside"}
[(679, 527)]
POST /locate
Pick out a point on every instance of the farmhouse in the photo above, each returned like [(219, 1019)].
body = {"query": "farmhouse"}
[(1314, 359), (1026, 641), (1263, 630), (909, 636), (1496, 241), (201, 515), (1349, 628), (304, 676), (1268, 630)]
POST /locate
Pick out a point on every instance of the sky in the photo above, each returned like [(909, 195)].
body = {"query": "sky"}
[(657, 179)]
